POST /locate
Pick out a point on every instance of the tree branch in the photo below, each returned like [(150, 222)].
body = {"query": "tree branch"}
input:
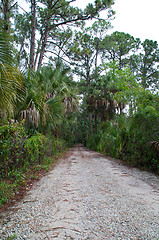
[(56, 55), (54, 4), (58, 47), (13, 6), (70, 21), (22, 8)]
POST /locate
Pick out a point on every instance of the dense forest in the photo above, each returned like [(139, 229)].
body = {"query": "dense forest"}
[(64, 81)]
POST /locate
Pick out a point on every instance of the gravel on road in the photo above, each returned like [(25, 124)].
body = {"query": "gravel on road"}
[(87, 196)]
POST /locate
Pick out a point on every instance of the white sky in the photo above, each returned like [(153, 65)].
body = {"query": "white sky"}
[(139, 18)]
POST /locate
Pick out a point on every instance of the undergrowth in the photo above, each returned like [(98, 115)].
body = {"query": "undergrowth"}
[(134, 140), (23, 159)]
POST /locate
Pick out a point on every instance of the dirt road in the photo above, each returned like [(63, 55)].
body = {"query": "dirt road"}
[(87, 196)]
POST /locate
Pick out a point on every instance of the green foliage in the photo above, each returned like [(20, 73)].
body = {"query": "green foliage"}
[(11, 88), (58, 145), (35, 148), (145, 130), (19, 154), (117, 46), (6, 191), (17, 150), (50, 94), (145, 65), (92, 141), (50, 16), (12, 153), (54, 145), (132, 139), (113, 136), (14, 236)]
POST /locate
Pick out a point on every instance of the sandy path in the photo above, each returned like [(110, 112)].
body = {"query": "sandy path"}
[(87, 196)]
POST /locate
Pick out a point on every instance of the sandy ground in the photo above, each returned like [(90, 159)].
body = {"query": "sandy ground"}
[(87, 196)]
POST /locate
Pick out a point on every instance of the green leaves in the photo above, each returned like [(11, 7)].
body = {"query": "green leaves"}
[(11, 88), (145, 65), (50, 95), (117, 46)]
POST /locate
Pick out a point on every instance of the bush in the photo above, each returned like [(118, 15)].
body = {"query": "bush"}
[(22, 157), (55, 145), (35, 148), (113, 136), (144, 132), (92, 141), (17, 150), (134, 139), (12, 152)]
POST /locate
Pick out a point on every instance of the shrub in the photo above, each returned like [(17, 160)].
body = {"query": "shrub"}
[(12, 153), (35, 148), (92, 141), (144, 132), (113, 136), (55, 145), (17, 150)]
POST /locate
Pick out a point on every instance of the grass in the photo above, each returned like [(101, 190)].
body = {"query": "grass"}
[(7, 191)]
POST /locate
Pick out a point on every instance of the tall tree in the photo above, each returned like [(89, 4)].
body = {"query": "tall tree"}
[(33, 32), (85, 52), (59, 43), (6, 8), (145, 64), (22, 36), (53, 14), (119, 46), (49, 97)]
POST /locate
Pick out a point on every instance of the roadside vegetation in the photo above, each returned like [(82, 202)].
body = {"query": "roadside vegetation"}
[(23, 158), (112, 108)]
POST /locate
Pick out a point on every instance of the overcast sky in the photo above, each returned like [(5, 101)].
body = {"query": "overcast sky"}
[(140, 18)]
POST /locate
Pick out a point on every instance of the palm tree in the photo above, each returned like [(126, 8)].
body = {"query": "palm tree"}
[(49, 96), (11, 87)]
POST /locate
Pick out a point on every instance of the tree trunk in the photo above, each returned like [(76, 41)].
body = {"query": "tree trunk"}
[(6, 12), (120, 63), (90, 123), (96, 76), (95, 120), (87, 71), (96, 59), (33, 30), (43, 47), (143, 81), (37, 52)]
